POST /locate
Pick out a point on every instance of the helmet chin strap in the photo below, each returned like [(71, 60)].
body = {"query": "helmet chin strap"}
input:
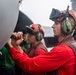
[(61, 39), (36, 43)]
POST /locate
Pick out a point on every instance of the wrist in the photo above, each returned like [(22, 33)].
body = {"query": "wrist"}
[(8, 46), (19, 49)]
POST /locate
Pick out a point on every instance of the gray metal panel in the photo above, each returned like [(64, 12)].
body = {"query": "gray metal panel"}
[(73, 0), (74, 6)]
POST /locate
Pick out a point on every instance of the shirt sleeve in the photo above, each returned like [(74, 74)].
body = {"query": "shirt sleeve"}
[(41, 63)]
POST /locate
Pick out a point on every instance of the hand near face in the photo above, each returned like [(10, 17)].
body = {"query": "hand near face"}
[(16, 39)]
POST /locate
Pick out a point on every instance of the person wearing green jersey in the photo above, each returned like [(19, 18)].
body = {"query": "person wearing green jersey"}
[(6, 63)]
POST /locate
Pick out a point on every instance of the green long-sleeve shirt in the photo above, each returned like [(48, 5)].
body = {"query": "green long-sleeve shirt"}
[(5, 59)]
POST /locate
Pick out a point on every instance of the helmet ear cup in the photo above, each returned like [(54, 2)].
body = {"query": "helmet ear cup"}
[(67, 27), (39, 36)]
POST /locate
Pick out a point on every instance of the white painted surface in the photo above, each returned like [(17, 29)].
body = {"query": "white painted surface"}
[(8, 18)]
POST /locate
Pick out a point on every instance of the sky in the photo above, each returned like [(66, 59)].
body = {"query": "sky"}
[(39, 10)]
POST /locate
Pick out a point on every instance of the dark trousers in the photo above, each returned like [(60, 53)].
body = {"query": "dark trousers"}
[(18, 70), (8, 71)]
